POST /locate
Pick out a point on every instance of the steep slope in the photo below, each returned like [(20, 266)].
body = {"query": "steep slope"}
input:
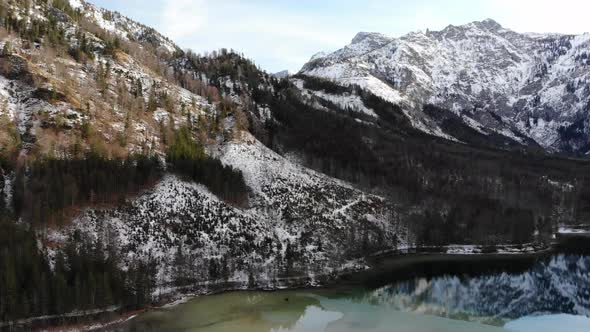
[(529, 85), (70, 64), (301, 228), (83, 84)]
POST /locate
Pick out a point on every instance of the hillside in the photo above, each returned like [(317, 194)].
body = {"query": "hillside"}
[(119, 153)]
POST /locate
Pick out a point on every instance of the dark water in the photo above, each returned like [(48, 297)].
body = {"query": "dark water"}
[(539, 294)]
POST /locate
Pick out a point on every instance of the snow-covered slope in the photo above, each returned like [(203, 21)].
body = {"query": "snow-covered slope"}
[(298, 221), (531, 84), (123, 27)]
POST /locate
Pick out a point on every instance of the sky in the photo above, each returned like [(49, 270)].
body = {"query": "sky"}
[(283, 34)]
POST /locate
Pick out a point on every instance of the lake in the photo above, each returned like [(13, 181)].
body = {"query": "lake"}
[(550, 293)]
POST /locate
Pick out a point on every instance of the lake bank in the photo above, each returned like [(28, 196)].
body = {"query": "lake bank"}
[(379, 270), (451, 302)]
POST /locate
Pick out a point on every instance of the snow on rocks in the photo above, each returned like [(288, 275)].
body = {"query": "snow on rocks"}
[(21, 105), (347, 101), (538, 84), (297, 220), (122, 26)]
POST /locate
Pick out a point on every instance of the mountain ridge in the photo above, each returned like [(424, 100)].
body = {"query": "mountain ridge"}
[(473, 69)]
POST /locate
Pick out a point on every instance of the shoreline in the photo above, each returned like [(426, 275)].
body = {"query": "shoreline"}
[(381, 268)]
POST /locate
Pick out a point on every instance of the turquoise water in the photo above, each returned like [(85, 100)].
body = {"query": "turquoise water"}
[(551, 323), (549, 295), (294, 311)]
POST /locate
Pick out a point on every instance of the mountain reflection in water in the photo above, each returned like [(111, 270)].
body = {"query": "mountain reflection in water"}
[(552, 288)]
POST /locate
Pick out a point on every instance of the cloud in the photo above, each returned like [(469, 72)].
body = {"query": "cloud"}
[(284, 34), (277, 36), (182, 18), (565, 16)]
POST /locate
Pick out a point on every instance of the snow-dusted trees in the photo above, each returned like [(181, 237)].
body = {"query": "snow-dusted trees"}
[(449, 192), (84, 276)]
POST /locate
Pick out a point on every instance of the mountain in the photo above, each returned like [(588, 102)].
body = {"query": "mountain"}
[(132, 171), (282, 74), (531, 88), (128, 169)]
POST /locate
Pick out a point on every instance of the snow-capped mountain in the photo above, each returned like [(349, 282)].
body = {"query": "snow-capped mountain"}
[(522, 86), (123, 27), (282, 74)]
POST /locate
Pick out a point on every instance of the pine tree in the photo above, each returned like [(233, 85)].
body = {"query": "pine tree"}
[(180, 267), (7, 49), (152, 101), (10, 289)]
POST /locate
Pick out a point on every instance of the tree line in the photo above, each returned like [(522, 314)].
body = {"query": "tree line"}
[(188, 158), (45, 191)]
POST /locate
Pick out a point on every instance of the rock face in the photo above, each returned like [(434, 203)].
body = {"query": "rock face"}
[(534, 85)]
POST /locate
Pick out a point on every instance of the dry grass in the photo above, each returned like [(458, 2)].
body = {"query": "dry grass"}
[(9, 137), (76, 81)]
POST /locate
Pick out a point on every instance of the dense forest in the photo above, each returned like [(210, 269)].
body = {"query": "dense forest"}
[(452, 124), (453, 192), (188, 158), (85, 276), (46, 190)]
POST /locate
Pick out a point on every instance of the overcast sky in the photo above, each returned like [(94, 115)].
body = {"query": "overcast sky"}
[(284, 34)]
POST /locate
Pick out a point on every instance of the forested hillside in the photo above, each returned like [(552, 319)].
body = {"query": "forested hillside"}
[(490, 190), (89, 119), (456, 192)]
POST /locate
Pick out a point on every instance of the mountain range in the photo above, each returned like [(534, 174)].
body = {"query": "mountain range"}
[(531, 88)]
